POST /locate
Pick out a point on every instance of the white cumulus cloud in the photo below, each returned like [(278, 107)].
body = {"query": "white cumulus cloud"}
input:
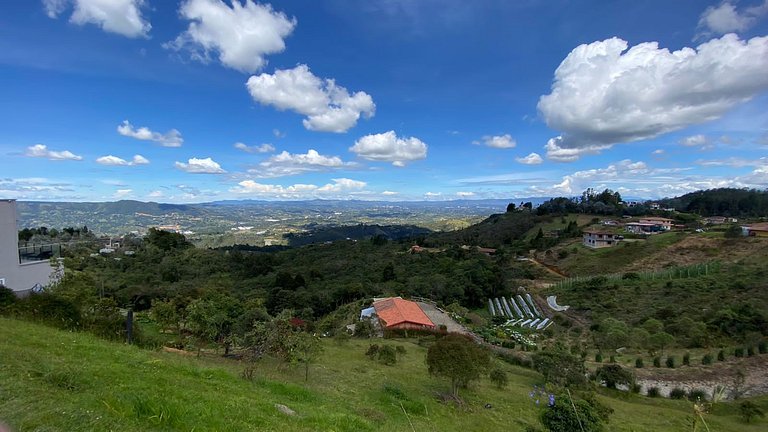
[(462, 194), (115, 16), (172, 138), (116, 161), (497, 141), (263, 148), (285, 164), (41, 151), (327, 106), (390, 193), (339, 188), (241, 34), (696, 141), (122, 193), (388, 147), (200, 166), (606, 92), (531, 159), (726, 18)]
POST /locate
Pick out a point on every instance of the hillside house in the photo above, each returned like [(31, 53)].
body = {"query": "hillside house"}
[(642, 228), (21, 272), (719, 220), (396, 313), (664, 224), (599, 239), (755, 230)]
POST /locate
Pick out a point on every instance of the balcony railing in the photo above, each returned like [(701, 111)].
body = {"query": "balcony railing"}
[(39, 252)]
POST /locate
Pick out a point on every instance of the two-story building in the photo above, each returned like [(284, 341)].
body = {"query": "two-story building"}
[(599, 239), (664, 224), (22, 273)]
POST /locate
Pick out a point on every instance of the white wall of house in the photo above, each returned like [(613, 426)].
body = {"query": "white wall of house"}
[(19, 277)]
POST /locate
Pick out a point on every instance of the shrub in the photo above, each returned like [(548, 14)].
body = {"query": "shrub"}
[(639, 363), (569, 413), (7, 297), (387, 355), (707, 359), (636, 388), (400, 350), (560, 368), (499, 378), (750, 351), (748, 411), (697, 394), (670, 362), (49, 309), (687, 359), (598, 358), (373, 351), (677, 393), (657, 361), (721, 355), (762, 347), (612, 359), (738, 352), (653, 392)]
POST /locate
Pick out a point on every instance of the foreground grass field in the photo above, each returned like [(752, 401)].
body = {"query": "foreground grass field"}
[(52, 380)]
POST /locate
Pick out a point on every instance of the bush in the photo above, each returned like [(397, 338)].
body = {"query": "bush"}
[(499, 378), (639, 363), (49, 309), (748, 411), (750, 351), (721, 355), (762, 347), (738, 352), (7, 297), (670, 362), (687, 359), (387, 355), (574, 414), (636, 388), (373, 351), (612, 359), (653, 392), (657, 361), (707, 359), (560, 368), (697, 394), (677, 393), (598, 358)]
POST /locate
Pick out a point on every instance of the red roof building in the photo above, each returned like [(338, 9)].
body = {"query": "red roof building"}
[(398, 313)]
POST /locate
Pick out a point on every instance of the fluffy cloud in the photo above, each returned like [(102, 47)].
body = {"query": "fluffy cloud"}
[(725, 18), (200, 166), (462, 194), (699, 140), (116, 161), (155, 194), (606, 93), (285, 164), (115, 16), (328, 107), (531, 159), (387, 147), (338, 188), (172, 138), (264, 148), (241, 35), (41, 151), (497, 141), (639, 179)]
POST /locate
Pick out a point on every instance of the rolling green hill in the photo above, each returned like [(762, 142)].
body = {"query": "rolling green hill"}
[(60, 381)]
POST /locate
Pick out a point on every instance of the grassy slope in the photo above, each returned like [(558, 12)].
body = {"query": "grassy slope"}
[(52, 380)]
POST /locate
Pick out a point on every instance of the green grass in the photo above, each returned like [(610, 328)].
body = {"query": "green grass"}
[(52, 380)]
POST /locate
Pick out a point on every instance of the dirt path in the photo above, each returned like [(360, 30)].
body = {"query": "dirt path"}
[(441, 318), (550, 269)]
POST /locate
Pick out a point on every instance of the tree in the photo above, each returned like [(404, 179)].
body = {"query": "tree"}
[(510, 207), (457, 358), (499, 378), (560, 368), (614, 374), (569, 413), (306, 348), (661, 340)]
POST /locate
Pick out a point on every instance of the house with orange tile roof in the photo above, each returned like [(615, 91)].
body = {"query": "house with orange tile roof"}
[(396, 313)]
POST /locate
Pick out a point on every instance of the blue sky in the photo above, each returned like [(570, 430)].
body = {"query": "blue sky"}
[(201, 100)]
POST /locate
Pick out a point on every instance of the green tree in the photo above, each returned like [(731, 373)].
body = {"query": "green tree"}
[(457, 358), (499, 377), (613, 375), (662, 340), (560, 368), (572, 414), (305, 348), (212, 318)]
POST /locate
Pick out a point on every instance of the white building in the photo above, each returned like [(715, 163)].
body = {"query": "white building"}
[(21, 276)]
